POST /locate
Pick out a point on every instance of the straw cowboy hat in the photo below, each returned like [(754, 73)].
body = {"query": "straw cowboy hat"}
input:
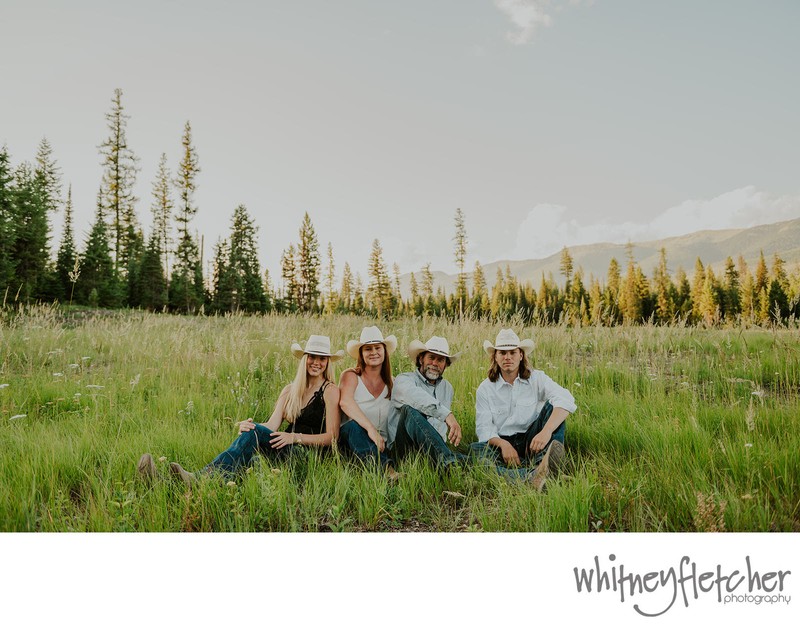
[(371, 335), (317, 345), (437, 345), (508, 340)]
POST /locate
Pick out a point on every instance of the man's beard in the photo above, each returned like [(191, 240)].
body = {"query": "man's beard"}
[(431, 374)]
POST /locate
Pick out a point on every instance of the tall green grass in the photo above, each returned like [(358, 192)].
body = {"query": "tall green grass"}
[(678, 429)]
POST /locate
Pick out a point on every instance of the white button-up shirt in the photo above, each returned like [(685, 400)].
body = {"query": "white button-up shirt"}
[(503, 408)]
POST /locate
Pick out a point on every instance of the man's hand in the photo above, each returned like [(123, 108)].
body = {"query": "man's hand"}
[(510, 455), (540, 441), (454, 429)]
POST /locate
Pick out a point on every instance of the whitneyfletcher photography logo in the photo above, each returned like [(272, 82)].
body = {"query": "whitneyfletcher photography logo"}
[(654, 592)]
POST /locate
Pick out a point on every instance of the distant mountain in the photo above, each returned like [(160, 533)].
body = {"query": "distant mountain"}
[(712, 246)]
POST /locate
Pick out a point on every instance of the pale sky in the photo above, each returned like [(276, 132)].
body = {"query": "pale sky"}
[(548, 123)]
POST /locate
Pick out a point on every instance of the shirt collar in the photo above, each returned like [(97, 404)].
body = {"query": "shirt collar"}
[(501, 382)]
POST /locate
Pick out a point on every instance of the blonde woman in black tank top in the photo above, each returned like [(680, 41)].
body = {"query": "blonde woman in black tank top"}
[(310, 406)]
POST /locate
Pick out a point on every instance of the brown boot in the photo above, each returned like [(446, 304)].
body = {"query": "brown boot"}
[(146, 467), (549, 464), (182, 474)]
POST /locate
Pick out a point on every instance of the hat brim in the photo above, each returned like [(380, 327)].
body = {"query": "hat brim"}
[(389, 342), (298, 351), (416, 347), (526, 345)]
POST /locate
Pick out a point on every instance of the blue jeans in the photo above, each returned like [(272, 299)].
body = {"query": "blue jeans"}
[(244, 448), (521, 443), (414, 432), (355, 440)]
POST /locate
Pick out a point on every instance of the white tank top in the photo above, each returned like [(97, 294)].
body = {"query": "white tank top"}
[(376, 409)]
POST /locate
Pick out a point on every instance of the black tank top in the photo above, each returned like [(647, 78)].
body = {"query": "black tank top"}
[(311, 419)]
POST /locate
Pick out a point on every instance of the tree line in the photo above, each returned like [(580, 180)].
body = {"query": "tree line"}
[(119, 266)]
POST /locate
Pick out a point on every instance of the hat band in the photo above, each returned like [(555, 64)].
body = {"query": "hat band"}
[(372, 342), (437, 351)]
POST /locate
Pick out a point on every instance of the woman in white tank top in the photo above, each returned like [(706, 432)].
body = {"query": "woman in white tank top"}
[(366, 391)]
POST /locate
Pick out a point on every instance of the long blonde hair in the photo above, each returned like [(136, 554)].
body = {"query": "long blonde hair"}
[(294, 402)]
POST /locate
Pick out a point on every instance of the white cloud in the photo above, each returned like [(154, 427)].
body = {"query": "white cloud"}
[(529, 15), (547, 228), (526, 15)]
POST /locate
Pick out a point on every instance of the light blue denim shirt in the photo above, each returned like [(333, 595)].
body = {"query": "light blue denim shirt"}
[(433, 400), (502, 408)]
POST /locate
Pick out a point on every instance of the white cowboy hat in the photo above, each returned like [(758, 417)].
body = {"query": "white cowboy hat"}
[(317, 345), (508, 340), (437, 345), (371, 335)]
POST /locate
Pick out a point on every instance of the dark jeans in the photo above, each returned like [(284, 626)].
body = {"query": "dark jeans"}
[(244, 448), (521, 443), (354, 440), (414, 432)]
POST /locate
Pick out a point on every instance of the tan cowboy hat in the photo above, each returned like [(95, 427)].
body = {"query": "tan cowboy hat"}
[(437, 345), (317, 345), (371, 335), (508, 340)]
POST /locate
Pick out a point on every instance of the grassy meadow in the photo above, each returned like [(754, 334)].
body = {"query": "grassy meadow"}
[(677, 429)]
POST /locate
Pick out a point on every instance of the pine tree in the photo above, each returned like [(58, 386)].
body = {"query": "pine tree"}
[(29, 251), (358, 295), (731, 305), (612, 292), (135, 254), (98, 284), (186, 286), (426, 286), (243, 264), (379, 289), (268, 291), (346, 292), (308, 265), (7, 194), (630, 302), (664, 305), (48, 175), (709, 298), (698, 283), (119, 178), (565, 267), (397, 300), (330, 280), (683, 294), (595, 301), (162, 208), (152, 280), (480, 294), (460, 254), (289, 276), (761, 276), (223, 286), (67, 254)]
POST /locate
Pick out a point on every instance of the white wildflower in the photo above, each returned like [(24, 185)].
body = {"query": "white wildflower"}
[(577, 385), (748, 445), (16, 417), (74, 366), (58, 374), (3, 385), (758, 393), (135, 380), (94, 386)]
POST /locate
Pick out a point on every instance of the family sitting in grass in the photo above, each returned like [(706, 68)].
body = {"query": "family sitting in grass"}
[(520, 413)]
